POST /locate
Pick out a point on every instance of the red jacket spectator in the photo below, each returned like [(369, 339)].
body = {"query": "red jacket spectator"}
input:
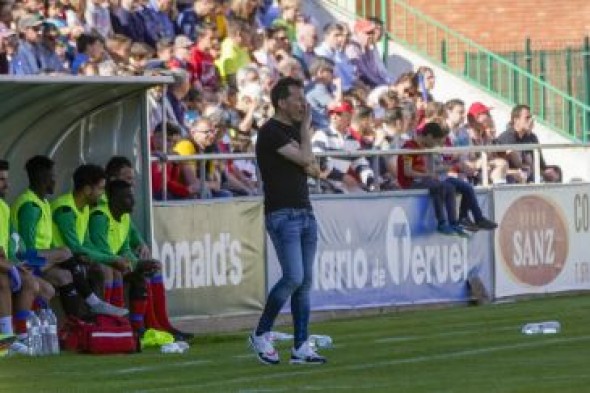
[(417, 161), (175, 187), (203, 71)]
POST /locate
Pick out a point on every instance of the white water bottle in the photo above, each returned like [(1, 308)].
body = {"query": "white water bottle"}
[(320, 341), (53, 339), (44, 331), (548, 327), (34, 342)]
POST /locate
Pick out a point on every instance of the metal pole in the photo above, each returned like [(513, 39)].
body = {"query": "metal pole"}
[(528, 57), (203, 178), (586, 56), (537, 165), (570, 90), (514, 80), (485, 173), (443, 52), (490, 78), (259, 180), (165, 144), (542, 68)]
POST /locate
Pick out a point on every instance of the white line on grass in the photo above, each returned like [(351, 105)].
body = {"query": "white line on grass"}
[(133, 370), (140, 369), (356, 388), (357, 367)]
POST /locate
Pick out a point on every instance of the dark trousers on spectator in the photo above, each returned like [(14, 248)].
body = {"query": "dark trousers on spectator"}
[(443, 197), (468, 199)]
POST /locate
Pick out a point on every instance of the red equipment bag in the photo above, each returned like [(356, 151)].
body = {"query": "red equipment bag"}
[(107, 335)]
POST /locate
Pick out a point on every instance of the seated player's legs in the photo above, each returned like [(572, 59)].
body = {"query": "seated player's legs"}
[(156, 308), (63, 281), (55, 256), (5, 305), (22, 301)]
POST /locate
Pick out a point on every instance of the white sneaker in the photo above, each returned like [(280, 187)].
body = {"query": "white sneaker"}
[(263, 348), (108, 309), (18, 348), (306, 355)]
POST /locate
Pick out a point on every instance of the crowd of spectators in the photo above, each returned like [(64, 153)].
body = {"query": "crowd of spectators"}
[(225, 56)]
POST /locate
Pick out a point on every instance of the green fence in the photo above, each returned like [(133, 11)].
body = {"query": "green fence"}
[(563, 65), (496, 74)]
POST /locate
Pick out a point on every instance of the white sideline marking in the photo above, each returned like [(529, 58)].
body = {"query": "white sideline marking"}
[(356, 388), (416, 359), (131, 370), (139, 369)]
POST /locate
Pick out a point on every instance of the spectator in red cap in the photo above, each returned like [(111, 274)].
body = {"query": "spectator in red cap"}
[(481, 129), (344, 174), (361, 52)]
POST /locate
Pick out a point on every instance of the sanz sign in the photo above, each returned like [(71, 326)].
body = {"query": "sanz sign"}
[(542, 239)]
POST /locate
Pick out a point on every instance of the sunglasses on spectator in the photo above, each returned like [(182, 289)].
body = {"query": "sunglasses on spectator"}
[(282, 37)]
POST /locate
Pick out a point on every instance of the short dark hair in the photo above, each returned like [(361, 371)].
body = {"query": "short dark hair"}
[(116, 187), (84, 41), (115, 164), (4, 165), (88, 175), (171, 129), (517, 110), (433, 129), (38, 168), (280, 90), (375, 20), (332, 26), (451, 104), (270, 32)]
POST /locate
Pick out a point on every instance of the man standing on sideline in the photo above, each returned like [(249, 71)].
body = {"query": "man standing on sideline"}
[(285, 160)]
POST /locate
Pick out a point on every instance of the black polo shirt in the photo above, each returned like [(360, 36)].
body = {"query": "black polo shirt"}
[(511, 137)]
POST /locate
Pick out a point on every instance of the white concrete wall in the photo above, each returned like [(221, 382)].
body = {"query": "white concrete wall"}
[(574, 162)]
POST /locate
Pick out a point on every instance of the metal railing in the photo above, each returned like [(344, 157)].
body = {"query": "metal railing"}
[(484, 150), (458, 54)]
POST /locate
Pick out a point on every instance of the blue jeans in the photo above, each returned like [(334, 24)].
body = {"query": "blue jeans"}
[(442, 195), (469, 201), (293, 233)]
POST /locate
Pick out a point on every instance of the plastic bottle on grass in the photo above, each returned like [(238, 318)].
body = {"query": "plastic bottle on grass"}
[(548, 327), (34, 339), (320, 341), (53, 338), (44, 331)]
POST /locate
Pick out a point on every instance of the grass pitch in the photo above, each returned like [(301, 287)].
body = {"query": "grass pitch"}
[(450, 350)]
